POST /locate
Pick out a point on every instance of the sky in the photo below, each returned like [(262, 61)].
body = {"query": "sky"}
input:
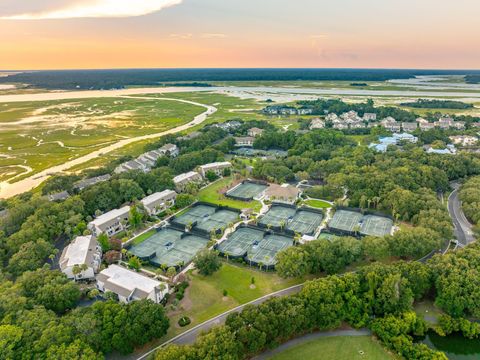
[(83, 34)]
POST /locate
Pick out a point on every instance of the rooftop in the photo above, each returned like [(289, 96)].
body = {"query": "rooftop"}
[(111, 215), (129, 280), (77, 252), (158, 196)]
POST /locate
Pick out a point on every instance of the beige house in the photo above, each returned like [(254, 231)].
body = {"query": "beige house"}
[(246, 141), (159, 202), (130, 285), (110, 223), (217, 168), (464, 140), (254, 132), (182, 180), (317, 124), (282, 193), (84, 254)]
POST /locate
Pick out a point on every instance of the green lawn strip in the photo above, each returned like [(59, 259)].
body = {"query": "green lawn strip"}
[(212, 195), (205, 298), (319, 204), (143, 237), (337, 348)]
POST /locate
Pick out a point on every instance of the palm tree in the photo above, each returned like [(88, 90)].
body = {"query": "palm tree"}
[(76, 271), (297, 238)]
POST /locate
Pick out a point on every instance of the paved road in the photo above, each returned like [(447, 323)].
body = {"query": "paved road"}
[(463, 228), (310, 337), (191, 335)]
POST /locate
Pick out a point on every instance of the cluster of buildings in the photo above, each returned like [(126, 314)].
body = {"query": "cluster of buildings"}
[(396, 139), (147, 161), (464, 140), (247, 141), (287, 110), (199, 176)]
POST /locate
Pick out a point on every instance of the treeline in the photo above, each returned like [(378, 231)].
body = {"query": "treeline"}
[(32, 327), (437, 104), (470, 196), (378, 296), (114, 79)]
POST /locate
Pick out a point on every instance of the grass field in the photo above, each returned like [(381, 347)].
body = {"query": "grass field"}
[(204, 298), (37, 135), (212, 195), (337, 348), (319, 204)]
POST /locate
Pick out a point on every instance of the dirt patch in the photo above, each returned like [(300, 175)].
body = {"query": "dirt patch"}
[(252, 287)]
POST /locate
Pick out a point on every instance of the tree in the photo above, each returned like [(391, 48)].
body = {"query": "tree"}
[(134, 263), (184, 200), (135, 217), (171, 272), (211, 176), (104, 242), (207, 262)]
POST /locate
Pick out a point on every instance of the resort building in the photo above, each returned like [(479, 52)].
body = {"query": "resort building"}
[(282, 193), (83, 255), (182, 180), (317, 124), (254, 132), (246, 141), (110, 223), (83, 184), (369, 117), (409, 126), (159, 202), (130, 285), (217, 168)]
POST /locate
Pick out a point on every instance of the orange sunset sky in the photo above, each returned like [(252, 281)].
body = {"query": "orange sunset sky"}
[(60, 34)]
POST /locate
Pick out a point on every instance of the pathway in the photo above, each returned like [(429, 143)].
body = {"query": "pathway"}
[(463, 228)]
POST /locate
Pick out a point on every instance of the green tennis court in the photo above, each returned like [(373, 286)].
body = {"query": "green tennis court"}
[(246, 191), (239, 243), (218, 220), (277, 216), (305, 222), (376, 225), (345, 220), (265, 252), (195, 214), (169, 247)]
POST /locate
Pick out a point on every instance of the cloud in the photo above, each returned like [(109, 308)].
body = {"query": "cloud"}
[(181, 36), (213, 36), (70, 9), (319, 36)]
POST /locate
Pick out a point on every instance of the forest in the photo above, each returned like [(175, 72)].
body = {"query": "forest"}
[(437, 104)]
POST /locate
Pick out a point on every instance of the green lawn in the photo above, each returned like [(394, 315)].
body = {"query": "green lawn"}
[(143, 237), (204, 297), (337, 348), (212, 195), (319, 204)]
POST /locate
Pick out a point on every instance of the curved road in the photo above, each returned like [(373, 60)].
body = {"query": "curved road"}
[(463, 228), (8, 190)]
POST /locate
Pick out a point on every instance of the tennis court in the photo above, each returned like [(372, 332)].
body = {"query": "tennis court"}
[(277, 216), (305, 222), (239, 243), (246, 191), (195, 214), (217, 221), (169, 247), (345, 220), (266, 251), (376, 226)]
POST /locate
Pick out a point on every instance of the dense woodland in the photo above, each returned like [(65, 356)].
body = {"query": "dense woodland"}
[(437, 104), (470, 196), (114, 79), (377, 296)]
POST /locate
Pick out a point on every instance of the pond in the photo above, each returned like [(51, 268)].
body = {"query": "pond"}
[(455, 346)]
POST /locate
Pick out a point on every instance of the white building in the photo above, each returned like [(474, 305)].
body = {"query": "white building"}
[(182, 180), (110, 223), (83, 252), (464, 140), (169, 150), (370, 117), (409, 126), (246, 141), (159, 202), (317, 124), (130, 286), (254, 132), (217, 168)]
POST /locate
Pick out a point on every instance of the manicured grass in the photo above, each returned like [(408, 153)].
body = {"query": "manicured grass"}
[(204, 297), (212, 195), (337, 348), (143, 237), (319, 204)]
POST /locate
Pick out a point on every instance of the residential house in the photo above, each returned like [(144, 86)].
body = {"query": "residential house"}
[(217, 168), (169, 150), (305, 111), (254, 132), (110, 223), (60, 196), (459, 125), (130, 166), (476, 125), (84, 254), (130, 285), (409, 126), (332, 117), (370, 117), (421, 120), (246, 141), (445, 123), (449, 150), (349, 115), (282, 193), (464, 140), (357, 125), (182, 180), (190, 136), (159, 202), (426, 126), (83, 184), (340, 126), (317, 124), (391, 124)]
